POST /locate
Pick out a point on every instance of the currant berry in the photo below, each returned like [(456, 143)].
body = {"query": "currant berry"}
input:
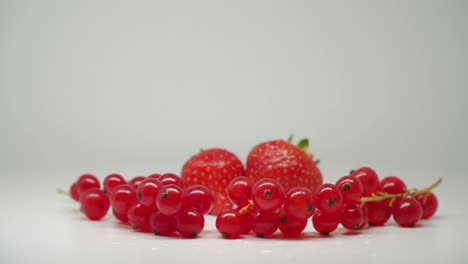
[(162, 225), (230, 224), (247, 216), (378, 213), (329, 198), (120, 216), (366, 217), (147, 192), (190, 223), (352, 216), (429, 204), (392, 185), (86, 182), (154, 176), (134, 182), (299, 203), (122, 198), (291, 226), (111, 181), (74, 192), (407, 212), (138, 216), (368, 178), (325, 222), (170, 200), (268, 194), (351, 188), (239, 190), (170, 178), (198, 197), (265, 223), (94, 204)]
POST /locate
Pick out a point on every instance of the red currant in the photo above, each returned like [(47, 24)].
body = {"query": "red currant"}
[(429, 204), (265, 223), (325, 222), (299, 203), (138, 216), (329, 198), (170, 200), (120, 216), (162, 225), (268, 194), (351, 188), (366, 217), (407, 212), (74, 192), (94, 203), (155, 176), (170, 178), (198, 197), (86, 182), (352, 216), (134, 182), (392, 185), (122, 198), (190, 223), (378, 213), (230, 224), (111, 181), (368, 178), (147, 192), (239, 190), (290, 226)]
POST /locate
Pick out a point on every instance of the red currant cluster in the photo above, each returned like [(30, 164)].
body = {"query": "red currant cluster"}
[(354, 201), (156, 203)]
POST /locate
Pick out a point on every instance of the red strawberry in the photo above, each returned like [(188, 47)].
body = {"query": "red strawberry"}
[(213, 168), (290, 165)]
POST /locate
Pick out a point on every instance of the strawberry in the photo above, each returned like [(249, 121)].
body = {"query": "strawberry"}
[(290, 165), (213, 168)]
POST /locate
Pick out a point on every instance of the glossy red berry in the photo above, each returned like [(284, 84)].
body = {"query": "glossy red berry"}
[(162, 225), (120, 216), (351, 188), (352, 216), (290, 226), (265, 223), (86, 182), (111, 181), (378, 213), (122, 198), (365, 211), (154, 176), (74, 192), (324, 222), (138, 216), (170, 178), (407, 212), (392, 185), (239, 190), (268, 194), (329, 198), (134, 182), (368, 178), (94, 204), (299, 203), (190, 223), (170, 200), (147, 192), (429, 204), (198, 197), (230, 224)]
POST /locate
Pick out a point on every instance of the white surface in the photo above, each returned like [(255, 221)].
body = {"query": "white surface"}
[(40, 226), (138, 87)]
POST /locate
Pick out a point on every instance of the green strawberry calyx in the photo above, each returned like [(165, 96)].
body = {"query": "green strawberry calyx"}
[(303, 144)]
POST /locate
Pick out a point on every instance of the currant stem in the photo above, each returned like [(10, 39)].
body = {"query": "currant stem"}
[(245, 208), (63, 192), (381, 196)]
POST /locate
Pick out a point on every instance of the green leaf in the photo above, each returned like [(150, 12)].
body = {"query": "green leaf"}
[(290, 138), (303, 144)]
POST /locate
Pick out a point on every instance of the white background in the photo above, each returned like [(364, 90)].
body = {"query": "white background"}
[(137, 87)]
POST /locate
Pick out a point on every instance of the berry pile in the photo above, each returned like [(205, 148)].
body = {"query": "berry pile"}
[(156, 203), (354, 201)]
